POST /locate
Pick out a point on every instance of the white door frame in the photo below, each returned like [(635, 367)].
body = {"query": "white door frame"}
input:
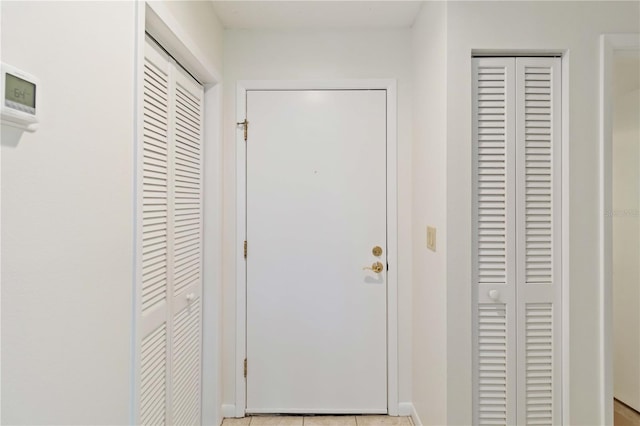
[(392, 222), (609, 43)]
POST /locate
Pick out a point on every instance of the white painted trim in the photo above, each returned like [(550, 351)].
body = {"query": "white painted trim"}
[(392, 244), (241, 270), (212, 253), (609, 43), (390, 86), (136, 324), (228, 410), (155, 18), (405, 408), (302, 411), (564, 243), (415, 418), (372, 84)]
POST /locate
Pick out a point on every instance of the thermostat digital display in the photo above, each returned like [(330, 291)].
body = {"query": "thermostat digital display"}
[(19, 99), (19, 94)]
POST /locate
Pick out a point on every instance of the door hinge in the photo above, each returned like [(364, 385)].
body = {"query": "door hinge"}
[(245, 368), (245, 125), (245, 249)]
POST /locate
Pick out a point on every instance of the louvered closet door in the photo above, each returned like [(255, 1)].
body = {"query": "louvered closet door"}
[(516, 241), (154, 240), (494, 241), (170, 244), (187, 254), (538, 238)]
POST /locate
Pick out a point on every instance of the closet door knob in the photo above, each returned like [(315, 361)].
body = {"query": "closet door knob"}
[(494, 295), (190, 297)]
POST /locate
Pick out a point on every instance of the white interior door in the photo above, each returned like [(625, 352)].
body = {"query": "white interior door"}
[(538, 200), (494, 241), (316, 208), (186, 255)]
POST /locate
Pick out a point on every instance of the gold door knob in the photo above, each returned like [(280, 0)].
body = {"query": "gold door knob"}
[(376, 267), (377, 251)]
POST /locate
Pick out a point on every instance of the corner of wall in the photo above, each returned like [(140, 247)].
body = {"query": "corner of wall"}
[(228, 410), (429, 340), (415, 418)]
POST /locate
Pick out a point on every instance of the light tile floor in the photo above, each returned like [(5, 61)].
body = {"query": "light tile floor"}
[(365, 420), (624, 416)]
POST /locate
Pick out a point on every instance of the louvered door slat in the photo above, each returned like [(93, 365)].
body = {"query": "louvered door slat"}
[(186, 365), (154, 244), (153, 376), (538, 215), (494, 348), (492, 359), (539, 362), (154, 188), (187, 253), (188, 172)]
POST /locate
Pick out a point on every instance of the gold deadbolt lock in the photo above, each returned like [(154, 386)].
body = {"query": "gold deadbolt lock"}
[(376, 267), (377, 251)]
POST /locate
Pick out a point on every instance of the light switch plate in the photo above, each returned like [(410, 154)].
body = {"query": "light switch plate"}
[(431, 238)]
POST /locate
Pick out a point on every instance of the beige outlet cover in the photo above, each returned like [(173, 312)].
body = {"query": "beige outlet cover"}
[(431, 238)]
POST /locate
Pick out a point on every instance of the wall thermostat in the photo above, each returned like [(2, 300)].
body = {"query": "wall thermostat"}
[(19, 94)]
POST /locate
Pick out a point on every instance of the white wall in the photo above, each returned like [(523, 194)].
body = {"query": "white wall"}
[(67, 190), (264, 55), (201, 23), (626, 245), (67, 213), (429, 296), (574, 26)]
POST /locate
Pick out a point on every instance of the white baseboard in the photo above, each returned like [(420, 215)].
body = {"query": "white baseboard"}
[(405, 408), (228, 410), (324, 411), (414, 416)]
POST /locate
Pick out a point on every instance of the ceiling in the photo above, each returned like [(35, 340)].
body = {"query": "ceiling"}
[(316, 14)]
